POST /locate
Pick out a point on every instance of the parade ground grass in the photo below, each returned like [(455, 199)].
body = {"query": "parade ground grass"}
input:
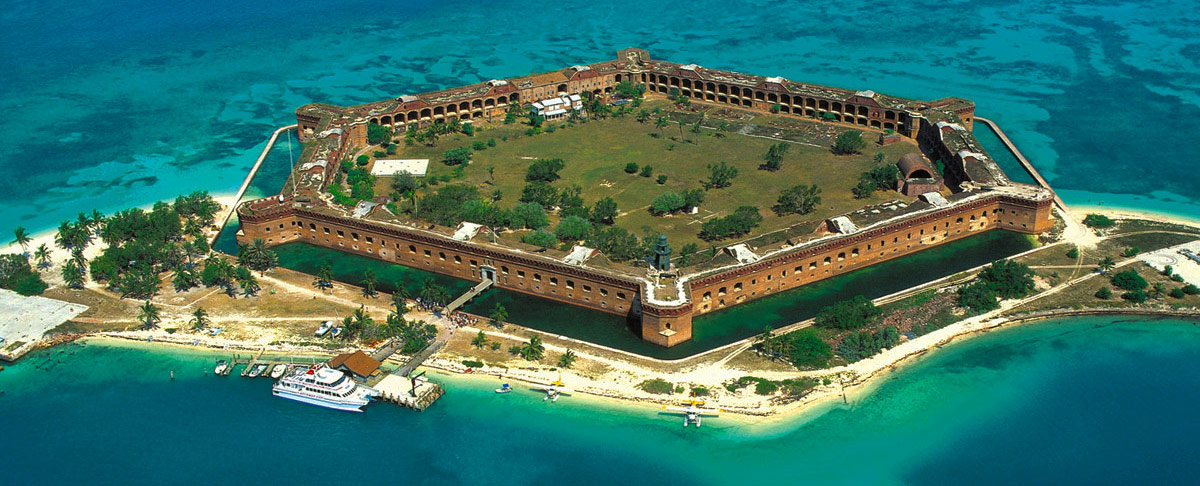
[(596, 153)]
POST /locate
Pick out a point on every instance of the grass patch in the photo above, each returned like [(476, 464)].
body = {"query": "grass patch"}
[(470, 363)]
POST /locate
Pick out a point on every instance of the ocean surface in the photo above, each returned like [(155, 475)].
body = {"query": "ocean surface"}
[(121, 103), (1079, 401)]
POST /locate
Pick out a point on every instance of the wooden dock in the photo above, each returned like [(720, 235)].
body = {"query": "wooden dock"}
[(400, 390), (420, 357)]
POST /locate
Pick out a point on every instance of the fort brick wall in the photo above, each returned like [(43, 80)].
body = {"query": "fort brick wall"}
[(522, 273)]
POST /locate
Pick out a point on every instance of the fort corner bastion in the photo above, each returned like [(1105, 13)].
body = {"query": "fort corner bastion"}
[(971, 195)]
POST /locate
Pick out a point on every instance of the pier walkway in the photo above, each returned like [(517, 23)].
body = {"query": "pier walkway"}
[(464, 298), (1024, 161), (387, 350), (249, 177), (420, 357)]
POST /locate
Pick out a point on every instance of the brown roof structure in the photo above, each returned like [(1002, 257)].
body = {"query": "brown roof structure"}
[(357, 362)]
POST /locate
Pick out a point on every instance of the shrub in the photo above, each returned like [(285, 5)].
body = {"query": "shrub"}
[(362, 160), (667, 203), (1073, 253), (1104, 293), (457, 156), (542, 238), (646, 171), (742, 221), (1129, 280), (1098, 221), (848, 314), (662, 179), (1136, 296), (479, 145), (1191, 289), (545, 170), (631, 168), (1178, 293), (657, 386), (699, 391), (379, 153), (472, 363), (1131, 252), (849, 142), (491, 142)]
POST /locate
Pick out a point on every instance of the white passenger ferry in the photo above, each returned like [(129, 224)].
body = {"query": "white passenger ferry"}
[(323, 386)]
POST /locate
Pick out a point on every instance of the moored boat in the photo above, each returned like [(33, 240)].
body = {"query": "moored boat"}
[(256, 370), (222, 366), (278, 371), (323, 386)]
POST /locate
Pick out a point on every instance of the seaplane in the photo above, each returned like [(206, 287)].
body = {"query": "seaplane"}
[(554, 389), (693, 412)]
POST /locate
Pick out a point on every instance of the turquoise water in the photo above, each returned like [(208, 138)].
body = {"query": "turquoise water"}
[(172, 98), (1081, 401), (710, 330)]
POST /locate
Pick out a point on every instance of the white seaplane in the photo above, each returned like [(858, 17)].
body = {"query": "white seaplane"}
[(692, 413), (554, 389)]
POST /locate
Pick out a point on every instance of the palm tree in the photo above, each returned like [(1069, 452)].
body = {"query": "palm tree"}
[(257, 256), (149, 316), (247, 281), (62, 237), (1107, 264), (567, 359), (324, 277), (480, 340), (22, 238), (42, 254), (400, 300), (498, 315), (199, 318), (369, 282), (73, 275), (533, 350), (355, 323), (184, 279), (722, 129), (661, 123)]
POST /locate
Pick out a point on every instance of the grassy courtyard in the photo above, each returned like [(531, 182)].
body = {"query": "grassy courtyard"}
[(596, 153)]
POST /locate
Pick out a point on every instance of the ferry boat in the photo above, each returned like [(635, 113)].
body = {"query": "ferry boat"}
[(323, 386)]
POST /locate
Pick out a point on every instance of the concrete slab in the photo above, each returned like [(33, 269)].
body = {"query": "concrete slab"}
[(1187, 268), (23, 320)]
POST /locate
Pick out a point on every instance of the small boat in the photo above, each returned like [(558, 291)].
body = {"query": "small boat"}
[(335, 331), (325, 327), (504, 388), (222, 366), (256, 370), (278, 371)]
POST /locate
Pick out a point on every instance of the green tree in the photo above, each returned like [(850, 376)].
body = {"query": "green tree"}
[(498, 315), (646, 171), (324, 278), (1098, 221), (720, 176), (542, 238), (533, 350), (480, 340), (631, 168), (774, 157), (530, 215), (849, 142), (604, 211), (369, 282), (572, 228), (567, 359), (22, 238), (149, 315), (457, 156), (72, 275), (661, 123), (378, 134), (1107, 264), (1073, 253), (848, 314), (1129, 280), (42, 254), (1104, 293), (666, 203), (800, 199), (256, 256), (544, 170), (199, 318)]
